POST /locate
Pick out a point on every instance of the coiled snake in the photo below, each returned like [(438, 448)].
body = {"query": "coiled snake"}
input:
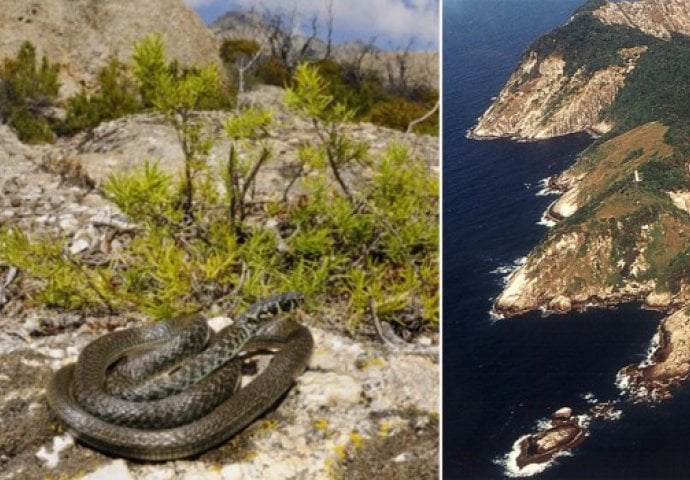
[(133, 410)]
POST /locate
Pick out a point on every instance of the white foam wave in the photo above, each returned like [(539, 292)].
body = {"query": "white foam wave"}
[(622, 382), (584, 420), (510, 466), (589, 398), (544, 424), (507, 271), (653, 346), (546, 221), (545, 189), (614, 415), (503, 270), (494, 316)]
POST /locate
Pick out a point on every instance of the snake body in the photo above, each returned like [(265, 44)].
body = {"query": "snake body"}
[(191, 409)]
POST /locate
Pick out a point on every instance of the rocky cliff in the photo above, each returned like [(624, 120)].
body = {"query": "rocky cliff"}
[(617, 234), (620, 228), (541, 101), (660, 18), (569, 80), (82, 35)]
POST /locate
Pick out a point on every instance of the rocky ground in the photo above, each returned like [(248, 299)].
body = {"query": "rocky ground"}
[(360, 409), (363, 408)]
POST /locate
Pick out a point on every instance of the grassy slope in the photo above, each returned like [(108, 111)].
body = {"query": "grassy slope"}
[(622, 223), (625, 232)]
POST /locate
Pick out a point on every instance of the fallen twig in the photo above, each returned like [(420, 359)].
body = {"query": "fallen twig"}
[(11, 275), (392, 340)]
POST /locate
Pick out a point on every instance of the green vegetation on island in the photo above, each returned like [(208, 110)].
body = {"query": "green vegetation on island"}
[(628, 234)]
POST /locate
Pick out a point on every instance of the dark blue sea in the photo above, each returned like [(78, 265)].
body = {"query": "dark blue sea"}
[(501, 377)]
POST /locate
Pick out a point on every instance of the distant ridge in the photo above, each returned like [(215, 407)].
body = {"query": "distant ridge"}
[(252, 24)]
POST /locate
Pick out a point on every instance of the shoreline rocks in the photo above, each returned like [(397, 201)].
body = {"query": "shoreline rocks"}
[(666, 366)]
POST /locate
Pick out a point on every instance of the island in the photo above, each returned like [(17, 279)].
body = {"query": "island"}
[(619, 71)]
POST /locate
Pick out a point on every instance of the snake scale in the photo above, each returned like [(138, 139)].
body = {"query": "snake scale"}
[(171, 389)]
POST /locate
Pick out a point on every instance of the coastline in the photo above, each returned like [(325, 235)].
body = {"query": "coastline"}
[(667, 363)]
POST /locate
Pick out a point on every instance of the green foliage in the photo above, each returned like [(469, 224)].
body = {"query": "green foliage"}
[(143, 195), (115, 97), (678, 272), (360, 91), (273, 71), (60, 281), (657, 90), (234, 50), (664, 175), (374, 249), (243, 128), (587, 42), (177, 95), (365, 94), (251, 124), (149, 65), (199, 89), (398, 112), (310, 95), (26, 91)]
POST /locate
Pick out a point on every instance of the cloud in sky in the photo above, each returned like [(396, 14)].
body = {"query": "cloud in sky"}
[(394, 22)]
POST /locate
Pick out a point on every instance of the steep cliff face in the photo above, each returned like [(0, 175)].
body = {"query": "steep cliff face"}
[(541, 101), (83, 34), (660, 18)]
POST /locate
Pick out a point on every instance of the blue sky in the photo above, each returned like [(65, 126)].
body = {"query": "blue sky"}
[(393, 22)]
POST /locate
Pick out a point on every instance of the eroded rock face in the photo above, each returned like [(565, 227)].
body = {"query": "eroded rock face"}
[(540, 101), (82, 35), (660, 18)]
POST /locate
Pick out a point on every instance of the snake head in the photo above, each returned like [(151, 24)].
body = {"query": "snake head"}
[(290, 300)]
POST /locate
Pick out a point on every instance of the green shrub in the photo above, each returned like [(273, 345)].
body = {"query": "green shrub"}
[(398, 112), (26, 91), (115, 97), (273, 71), (376, 246), (149, 66), (233, 50)]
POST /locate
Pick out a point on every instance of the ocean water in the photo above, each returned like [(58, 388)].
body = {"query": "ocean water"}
[(502, 377)]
